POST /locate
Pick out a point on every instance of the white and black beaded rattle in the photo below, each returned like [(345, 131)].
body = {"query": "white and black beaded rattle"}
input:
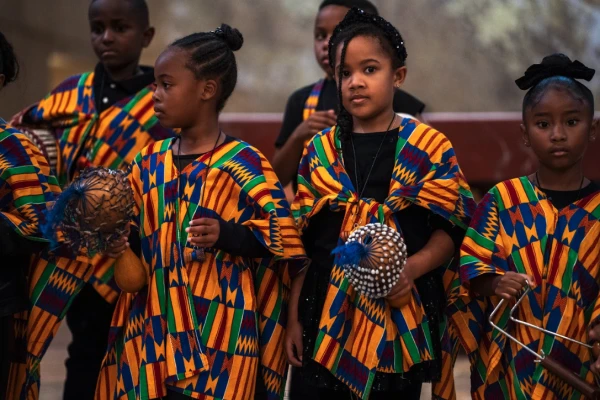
[(373, 257)]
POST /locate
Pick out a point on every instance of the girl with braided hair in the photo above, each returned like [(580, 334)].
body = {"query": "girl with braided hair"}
[(218, 241), (374, 166), (540, 231), (313, 108)]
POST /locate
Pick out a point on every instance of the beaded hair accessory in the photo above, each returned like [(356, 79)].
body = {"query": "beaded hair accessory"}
[(357, 16)]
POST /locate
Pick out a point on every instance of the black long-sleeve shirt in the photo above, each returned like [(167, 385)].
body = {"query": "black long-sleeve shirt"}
[(235, 239)]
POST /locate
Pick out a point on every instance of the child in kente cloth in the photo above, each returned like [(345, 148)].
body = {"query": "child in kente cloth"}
[(27, 189), (543, 231), (101, 118), (218, 240), (313, 108), (373, 166)]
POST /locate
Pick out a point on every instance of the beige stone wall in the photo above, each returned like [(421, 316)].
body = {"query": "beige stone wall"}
[(463, 54)]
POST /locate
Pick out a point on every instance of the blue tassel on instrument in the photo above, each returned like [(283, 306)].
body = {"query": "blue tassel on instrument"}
[(57, 214), (351, 253)]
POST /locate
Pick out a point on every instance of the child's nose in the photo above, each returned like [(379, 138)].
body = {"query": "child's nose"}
[(558, 133), (108, 36)]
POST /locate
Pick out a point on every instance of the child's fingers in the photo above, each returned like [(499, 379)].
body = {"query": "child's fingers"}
[(594, 334), (200, 230), (524, 279), (325, 119), (595, 367), (400, 287), (116, 252), (203, 222), (291, 352), (530, 280), (508, 293)]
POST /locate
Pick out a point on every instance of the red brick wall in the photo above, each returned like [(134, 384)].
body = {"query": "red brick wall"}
[(488, 145)]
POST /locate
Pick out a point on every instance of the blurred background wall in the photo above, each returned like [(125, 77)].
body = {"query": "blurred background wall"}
[(463, 54)]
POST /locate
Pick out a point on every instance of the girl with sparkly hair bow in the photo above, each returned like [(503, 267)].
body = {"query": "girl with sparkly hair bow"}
[(374, 166)]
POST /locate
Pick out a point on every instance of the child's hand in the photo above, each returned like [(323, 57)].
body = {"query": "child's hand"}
[(314, 124), (510, 284), (594, 339), (293, 342), (401, 288), (203, 232), (118, 247)]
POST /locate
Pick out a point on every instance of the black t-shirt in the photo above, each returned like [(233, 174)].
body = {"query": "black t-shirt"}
[(108, 92), (403, 103), (562, 198)]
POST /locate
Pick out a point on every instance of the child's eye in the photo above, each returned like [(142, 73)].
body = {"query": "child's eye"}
[(572, 122), (369, 70), (120, 28), (345, 73), (97, 29), (542, 124), (319, 36)]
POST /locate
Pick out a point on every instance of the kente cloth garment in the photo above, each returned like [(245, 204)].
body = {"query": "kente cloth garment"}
[(26, 186), (86, 138), (313, 99), (53, 284), (516, 228), (359, 336), (204, 328), (27, 189)]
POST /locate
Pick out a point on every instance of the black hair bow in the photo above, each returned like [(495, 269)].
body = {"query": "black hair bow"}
[(554, 65)]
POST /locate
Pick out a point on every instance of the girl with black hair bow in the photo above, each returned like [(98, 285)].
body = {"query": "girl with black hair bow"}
[(540, 231)]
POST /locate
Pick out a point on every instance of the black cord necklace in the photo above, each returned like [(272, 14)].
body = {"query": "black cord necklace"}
[(537, 180), (358, 190), (198, 250)]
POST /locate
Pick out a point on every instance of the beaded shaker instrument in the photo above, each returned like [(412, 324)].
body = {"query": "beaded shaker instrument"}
[(373, 257), (94, 212)]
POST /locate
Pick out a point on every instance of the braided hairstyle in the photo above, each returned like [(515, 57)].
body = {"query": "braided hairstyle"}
[(9, 66), (211, 57), (359, 23), (556, 71)]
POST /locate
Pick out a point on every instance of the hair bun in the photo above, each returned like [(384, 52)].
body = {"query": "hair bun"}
[(231, 36), (556, 64)]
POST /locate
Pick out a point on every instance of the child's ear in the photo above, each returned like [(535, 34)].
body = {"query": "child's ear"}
[(148, 36), (210, 89), (399, 77), (593, 130), (525, 135)]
